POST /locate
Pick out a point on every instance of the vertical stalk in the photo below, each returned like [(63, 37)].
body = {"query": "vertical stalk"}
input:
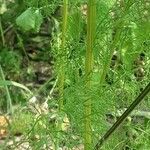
[(2, 33), (88, 72), (9, 101), (22, 46), (115, 40), (109, 57), (61, 75), (61, 67)]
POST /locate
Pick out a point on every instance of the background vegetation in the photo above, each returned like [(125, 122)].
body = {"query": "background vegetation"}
[(69, 69)]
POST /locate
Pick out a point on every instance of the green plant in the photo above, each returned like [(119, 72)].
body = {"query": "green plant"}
[(9, 100), (101, 59), (123, 116), (21, 124), (91, 12)]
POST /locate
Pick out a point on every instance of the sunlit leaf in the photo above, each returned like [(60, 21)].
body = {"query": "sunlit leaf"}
[(31, 19), (6, 83)]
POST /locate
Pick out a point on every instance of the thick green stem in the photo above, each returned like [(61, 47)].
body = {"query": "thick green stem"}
[(61, 76), (88, 72), (61, 67)]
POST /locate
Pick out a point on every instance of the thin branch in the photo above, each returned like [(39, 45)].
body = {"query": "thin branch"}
[(123, 117)]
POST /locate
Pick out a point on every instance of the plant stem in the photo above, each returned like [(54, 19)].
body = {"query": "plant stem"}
[(61, 75), (2, 33), (61, 67), (22, 46), (9, 101), (123, 117), (109, 57), (88, 72)]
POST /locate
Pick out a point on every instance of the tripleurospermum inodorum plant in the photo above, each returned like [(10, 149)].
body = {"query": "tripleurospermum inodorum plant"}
[(97, 54)]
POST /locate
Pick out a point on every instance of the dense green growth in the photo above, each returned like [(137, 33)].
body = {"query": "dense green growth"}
[(77, 65)]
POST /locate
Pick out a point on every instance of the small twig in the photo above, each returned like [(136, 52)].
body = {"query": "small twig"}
[(52, 90), (8, 28), (22, 46), (135, 113), (123, 117)]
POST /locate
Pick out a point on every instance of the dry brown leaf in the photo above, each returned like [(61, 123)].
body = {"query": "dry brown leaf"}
[(3, 126)]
